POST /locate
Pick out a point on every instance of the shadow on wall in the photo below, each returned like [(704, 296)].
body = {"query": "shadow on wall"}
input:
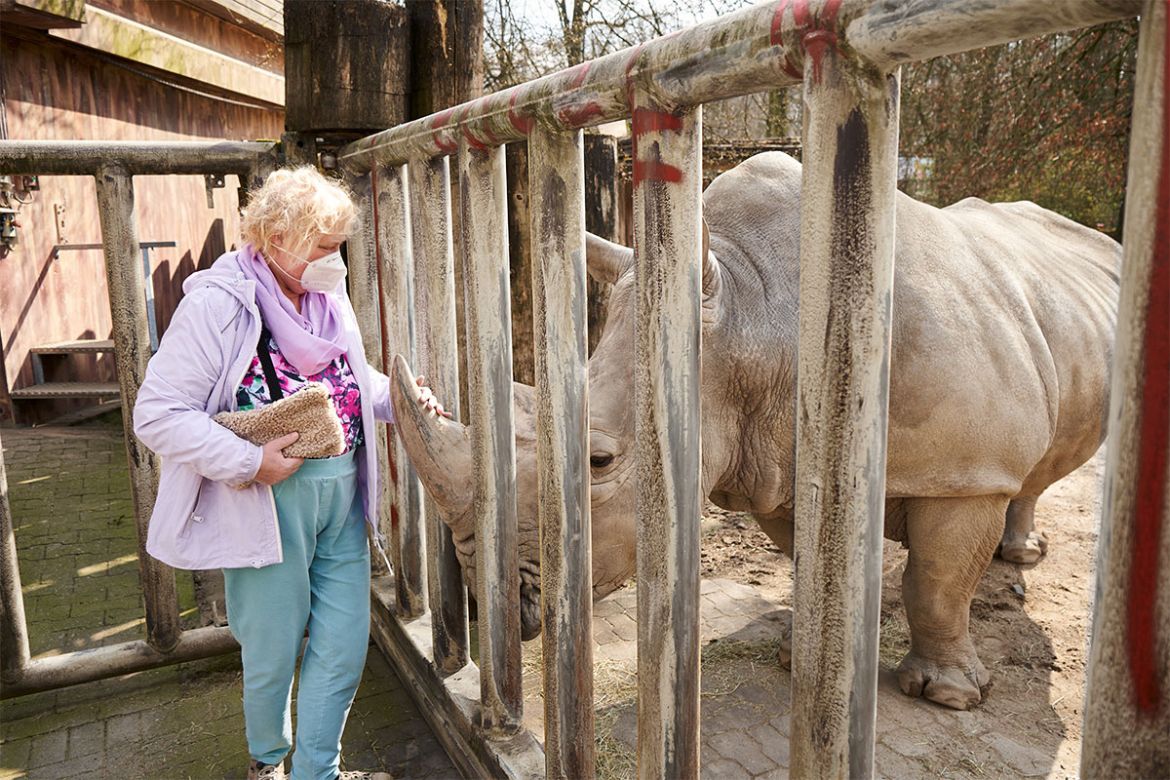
[(168, 283)]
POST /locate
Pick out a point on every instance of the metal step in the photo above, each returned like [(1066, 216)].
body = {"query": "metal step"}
[(74, 347), (66, 390)]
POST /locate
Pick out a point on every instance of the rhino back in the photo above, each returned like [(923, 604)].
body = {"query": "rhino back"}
[(1003, 322)]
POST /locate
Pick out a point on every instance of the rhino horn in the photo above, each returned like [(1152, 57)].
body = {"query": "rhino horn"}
[(606, 260), (439, 449)]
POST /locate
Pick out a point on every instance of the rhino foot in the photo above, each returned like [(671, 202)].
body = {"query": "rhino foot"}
[(1024, 550), (956, 687), (784, 653)]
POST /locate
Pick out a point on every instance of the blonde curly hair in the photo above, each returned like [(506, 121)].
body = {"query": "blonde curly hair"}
[(297, 204)]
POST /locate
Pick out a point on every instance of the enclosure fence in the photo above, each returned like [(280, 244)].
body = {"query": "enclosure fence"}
[(113, 166), (846, 54)]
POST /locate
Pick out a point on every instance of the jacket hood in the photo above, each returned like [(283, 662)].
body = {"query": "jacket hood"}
[(224, 273)]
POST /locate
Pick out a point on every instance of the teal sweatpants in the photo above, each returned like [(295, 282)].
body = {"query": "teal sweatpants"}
[(323, 583)]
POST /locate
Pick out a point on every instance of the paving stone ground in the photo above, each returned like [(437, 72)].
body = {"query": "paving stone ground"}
[(746, 703), (76, 542)]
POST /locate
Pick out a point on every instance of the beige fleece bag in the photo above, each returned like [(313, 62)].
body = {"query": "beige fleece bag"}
[(309, 411)]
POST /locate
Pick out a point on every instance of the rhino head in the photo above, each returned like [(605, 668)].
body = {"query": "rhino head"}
[(441, 452)]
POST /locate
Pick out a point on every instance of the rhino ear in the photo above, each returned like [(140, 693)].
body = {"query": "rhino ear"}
[(606, 260), (711, 276)]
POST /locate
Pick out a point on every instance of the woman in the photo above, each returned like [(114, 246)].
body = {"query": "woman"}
[(289, 534)]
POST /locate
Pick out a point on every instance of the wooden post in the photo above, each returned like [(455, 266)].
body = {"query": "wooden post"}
[(846, 288), (346, 65), (667, 247), (396, 275), (446, 39), (365, 295), (438, 357), (484, 222), (601, 218), (1127, 705), (14, 653), (557, 183), (125, 283), (520, 251)]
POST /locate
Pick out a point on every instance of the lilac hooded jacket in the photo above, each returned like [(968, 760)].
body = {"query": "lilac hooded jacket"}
[(201, 519)]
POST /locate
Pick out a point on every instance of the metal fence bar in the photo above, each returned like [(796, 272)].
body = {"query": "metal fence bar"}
[(82, 666), (484, 223), (737, 54), (846, 290), (1127, 703), (135, 158), (14, 653), (396, 274), (126, 282), (365, 295), (438, 355), (668, 182), (556, 171)]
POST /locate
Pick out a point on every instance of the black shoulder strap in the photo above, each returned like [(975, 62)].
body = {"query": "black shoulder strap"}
[(274, 391)]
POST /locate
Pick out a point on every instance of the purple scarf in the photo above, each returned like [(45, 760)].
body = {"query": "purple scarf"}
[(309, 340)]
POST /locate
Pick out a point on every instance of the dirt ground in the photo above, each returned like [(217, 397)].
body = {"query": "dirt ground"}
[(1030, 623)]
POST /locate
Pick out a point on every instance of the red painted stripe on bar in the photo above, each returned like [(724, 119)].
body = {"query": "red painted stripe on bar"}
[(655, 170), (647, 120), (577, 115), (829, 12), (800, 14), (776, 36), (1154, 441), (523, 124), (580, 72)]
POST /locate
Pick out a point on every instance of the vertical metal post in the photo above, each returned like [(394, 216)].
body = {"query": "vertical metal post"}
[(557, 186), (846, 289), (438, 354), (14, 653), (1127, 704), (364, 295), (151, 323), (483, 196), (125, 283), (668, 185), (396, 264)]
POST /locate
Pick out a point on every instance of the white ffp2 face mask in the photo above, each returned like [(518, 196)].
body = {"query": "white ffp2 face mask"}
[(324, 273)]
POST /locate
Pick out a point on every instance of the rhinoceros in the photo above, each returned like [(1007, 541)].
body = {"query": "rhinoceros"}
[(1003, 322)]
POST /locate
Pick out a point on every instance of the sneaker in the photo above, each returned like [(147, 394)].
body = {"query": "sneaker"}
[(258, 771), (356, 775)]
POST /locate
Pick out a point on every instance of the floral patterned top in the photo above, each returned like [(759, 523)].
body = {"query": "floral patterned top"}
[(337, 377)]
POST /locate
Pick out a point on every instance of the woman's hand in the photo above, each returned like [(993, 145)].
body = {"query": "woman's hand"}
[(429, 401), (275, 467)]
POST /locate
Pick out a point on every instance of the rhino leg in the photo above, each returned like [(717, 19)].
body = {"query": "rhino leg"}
[(1022, 543), (952, 540)]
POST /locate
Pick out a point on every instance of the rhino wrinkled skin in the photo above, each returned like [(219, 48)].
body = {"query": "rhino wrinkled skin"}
[(1003, 321)]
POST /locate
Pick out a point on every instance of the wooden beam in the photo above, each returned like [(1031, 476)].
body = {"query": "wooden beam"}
[(112, 34)]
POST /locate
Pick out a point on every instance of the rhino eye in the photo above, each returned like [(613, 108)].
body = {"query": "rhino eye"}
[(600, 461)]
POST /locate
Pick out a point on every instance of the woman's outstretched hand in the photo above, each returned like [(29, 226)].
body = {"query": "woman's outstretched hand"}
[(429, 401), (275, 467)]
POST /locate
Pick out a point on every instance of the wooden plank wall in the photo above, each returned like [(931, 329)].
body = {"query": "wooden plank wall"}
[(53, 91)]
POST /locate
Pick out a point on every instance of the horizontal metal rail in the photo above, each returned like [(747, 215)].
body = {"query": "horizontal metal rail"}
[(146, 158), (757, 49)]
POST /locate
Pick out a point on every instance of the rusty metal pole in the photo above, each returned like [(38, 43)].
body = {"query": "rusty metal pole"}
[(483, 196), (396, 261), (668, 182), (438, 356), (556, 172), (14, 653), (1127, 703), (846, 289), (364, 295), (126, 282)]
